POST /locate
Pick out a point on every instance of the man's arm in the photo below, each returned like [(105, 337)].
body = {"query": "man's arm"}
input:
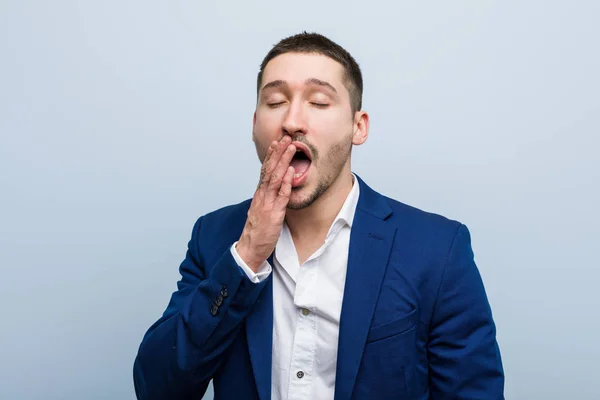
[(464, 358), (180, 353)]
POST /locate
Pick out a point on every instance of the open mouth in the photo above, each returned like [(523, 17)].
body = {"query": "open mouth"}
[(301, 163)]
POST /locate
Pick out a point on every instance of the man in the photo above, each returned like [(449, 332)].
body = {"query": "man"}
[(319, 287)]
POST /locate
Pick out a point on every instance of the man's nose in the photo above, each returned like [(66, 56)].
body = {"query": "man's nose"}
[(294, 123)]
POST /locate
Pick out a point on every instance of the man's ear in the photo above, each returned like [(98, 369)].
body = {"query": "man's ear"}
[(253, 125), (361, 128)]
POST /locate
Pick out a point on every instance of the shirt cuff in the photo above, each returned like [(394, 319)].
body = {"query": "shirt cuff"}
[(263, 272)]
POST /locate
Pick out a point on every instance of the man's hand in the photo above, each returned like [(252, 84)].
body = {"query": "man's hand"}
[(268, 207)]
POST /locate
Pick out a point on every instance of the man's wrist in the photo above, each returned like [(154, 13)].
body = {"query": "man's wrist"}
[(245, 255)]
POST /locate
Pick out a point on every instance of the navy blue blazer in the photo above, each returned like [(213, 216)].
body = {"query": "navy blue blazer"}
[(415, 321)]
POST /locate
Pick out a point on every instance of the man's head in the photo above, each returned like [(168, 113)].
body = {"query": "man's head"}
[(314, 43), (310, 88)]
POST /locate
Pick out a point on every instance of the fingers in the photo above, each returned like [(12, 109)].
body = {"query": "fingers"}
[(263, 169), (271, 161), (280, 170), (286, 188)]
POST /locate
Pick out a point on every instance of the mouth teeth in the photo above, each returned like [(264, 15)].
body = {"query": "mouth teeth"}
[(301, 153), (297, 175)]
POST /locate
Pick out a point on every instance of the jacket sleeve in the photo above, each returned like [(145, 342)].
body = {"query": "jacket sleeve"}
[(464, 358), (182, 350)]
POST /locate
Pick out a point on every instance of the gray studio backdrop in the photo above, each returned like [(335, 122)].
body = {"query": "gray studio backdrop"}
[(121, 122)]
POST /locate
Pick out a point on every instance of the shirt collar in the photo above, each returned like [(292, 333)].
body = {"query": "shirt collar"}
[(348, 209), (344, 217)]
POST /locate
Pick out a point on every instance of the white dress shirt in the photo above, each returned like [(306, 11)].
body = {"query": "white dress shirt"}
[(307, 303)]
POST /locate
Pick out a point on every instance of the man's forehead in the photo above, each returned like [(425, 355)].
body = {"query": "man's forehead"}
[(298, 68)]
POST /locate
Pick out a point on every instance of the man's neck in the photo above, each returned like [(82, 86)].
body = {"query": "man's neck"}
[(316, 219)]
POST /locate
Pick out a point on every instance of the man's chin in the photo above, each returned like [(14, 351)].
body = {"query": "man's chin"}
[(298, 200), (306, 194)]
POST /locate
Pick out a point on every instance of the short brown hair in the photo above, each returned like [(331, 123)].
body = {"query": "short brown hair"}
[(316, 43)]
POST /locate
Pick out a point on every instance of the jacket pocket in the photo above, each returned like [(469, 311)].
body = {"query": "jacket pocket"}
[(396, 327)]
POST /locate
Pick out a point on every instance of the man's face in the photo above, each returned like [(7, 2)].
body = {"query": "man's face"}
[(303, 96)]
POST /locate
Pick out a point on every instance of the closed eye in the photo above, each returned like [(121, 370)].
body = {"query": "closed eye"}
[(320, 105), (275, 105)]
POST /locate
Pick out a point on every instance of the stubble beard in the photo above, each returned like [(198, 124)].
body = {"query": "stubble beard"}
[(334, 162)]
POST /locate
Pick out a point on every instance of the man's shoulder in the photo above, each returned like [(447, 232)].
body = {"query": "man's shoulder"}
[(416, 225), (228, 212), (407, 213), (404, 216), (220, 227), (422, 236)]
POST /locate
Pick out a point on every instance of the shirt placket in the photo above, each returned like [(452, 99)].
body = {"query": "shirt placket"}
[(305, 336)]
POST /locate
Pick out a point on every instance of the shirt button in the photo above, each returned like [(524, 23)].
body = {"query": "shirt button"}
[(305, 311), (300, 374)]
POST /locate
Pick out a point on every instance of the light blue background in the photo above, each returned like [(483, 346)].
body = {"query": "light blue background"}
[(121, 122)]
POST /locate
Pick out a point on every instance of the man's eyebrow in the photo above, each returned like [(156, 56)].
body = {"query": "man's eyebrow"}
[(273, 84), (309, 81), (315, 81)]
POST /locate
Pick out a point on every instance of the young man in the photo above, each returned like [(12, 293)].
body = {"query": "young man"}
[(319, 287)]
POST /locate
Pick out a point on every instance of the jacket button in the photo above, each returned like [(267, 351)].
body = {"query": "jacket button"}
[(219, 300), (300, 374), (224, 292), (214, 310)]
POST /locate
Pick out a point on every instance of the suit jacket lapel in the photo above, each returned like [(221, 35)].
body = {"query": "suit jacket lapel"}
[(259, 334), (370, 244)]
